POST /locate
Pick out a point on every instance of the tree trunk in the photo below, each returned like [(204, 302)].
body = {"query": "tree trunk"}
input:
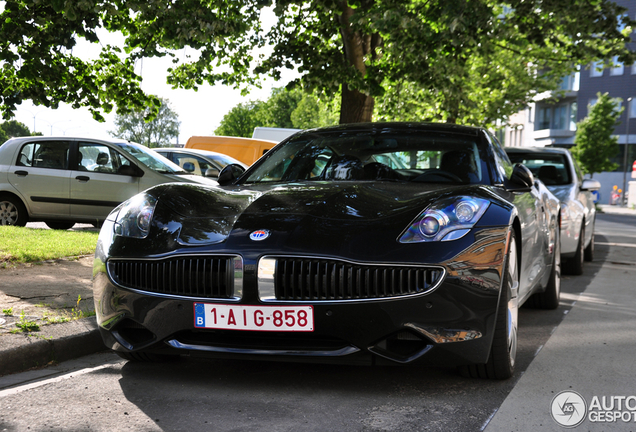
[(356, 106)]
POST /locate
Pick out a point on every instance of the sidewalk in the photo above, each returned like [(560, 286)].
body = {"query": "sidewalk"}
[(591, 353), (37, 296)]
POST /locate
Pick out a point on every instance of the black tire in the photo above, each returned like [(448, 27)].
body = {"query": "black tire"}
[(146, 357), (59, 225), (589, 250), (12, 211), (503, 352), (574, 265), (549, 299)]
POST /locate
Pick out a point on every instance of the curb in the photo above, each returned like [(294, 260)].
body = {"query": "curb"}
[(55, 343)]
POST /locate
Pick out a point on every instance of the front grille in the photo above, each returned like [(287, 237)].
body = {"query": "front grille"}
[(307, 279), (218, 277)]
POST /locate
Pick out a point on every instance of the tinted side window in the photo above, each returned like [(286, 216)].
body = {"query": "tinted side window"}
[(47, 154)]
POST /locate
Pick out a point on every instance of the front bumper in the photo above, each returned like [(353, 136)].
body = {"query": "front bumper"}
[(451, 324)]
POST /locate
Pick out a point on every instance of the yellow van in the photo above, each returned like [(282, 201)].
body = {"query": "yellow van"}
[(247, 150)]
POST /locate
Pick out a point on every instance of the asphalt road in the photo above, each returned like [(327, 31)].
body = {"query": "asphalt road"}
[(101, 392)]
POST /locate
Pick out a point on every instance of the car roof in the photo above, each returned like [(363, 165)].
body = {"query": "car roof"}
[(398, 127), (536, 150), (189, 150), (72, 138)]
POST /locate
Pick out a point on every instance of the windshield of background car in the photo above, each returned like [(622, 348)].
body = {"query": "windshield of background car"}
[(414, 156), (551, 168), (151, 160)]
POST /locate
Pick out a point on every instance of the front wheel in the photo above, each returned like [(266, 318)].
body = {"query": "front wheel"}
[(589, 250), (574, 265), (549, 299), (503, 352)]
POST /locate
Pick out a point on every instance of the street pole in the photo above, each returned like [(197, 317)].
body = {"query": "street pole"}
[(623, 202)]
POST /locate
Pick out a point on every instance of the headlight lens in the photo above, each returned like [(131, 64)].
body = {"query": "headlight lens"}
[(445, 220), (135, 216)]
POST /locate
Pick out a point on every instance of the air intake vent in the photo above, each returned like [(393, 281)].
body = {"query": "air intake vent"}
[(214, 277)]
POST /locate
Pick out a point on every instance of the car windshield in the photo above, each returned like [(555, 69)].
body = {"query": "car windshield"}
[(150, 159), (414, 156), (551, 168)]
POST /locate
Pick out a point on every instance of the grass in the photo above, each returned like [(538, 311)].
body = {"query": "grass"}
[(23, 245)]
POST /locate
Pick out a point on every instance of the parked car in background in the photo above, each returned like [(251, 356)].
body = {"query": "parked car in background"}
[(558, 170), (199, 162), (379, 243), (63, 180)]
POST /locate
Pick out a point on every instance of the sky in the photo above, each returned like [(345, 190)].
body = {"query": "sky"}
[(200, 112)]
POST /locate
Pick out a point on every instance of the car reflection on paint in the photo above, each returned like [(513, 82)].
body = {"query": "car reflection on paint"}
[(380, 243)]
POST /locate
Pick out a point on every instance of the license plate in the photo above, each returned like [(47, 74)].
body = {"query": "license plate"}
[(259, 318)]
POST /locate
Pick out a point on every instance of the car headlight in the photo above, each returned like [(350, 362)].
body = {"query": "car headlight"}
[(135, 216), (445, 220)]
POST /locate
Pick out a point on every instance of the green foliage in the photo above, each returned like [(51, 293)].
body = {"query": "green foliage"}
[(241, 120), (14, 128), (284, 109), (468, 61), (595, 145), (141, 127)]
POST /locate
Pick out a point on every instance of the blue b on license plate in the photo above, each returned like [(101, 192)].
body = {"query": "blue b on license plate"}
[(259, 318)]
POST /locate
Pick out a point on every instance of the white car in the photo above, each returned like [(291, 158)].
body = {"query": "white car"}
[(64, 180), (558, 170), (200, 162)]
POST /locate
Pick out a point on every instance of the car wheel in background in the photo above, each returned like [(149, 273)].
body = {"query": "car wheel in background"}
[(589, 250), (59, 225), (12, 211), (574, 265), (501, 362), (549, 299)]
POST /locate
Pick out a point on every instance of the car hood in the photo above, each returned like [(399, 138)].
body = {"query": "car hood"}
[(564, 193), (191, 178), (296, 215)]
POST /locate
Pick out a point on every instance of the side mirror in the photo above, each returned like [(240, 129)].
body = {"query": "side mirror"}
[(590, 185), (188, 166), (230, 174), (521, 179), (130, 170), (212, 172)]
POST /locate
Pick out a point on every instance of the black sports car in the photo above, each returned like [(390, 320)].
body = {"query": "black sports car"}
[(367, 243)]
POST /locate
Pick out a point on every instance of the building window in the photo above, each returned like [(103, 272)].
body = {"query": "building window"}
[(573, 112), (631, 108), (544, 114), (561, 116), (596, 69), (634, 69), (617, 67)]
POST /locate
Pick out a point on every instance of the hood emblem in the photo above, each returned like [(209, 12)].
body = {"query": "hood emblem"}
[(259, 235)]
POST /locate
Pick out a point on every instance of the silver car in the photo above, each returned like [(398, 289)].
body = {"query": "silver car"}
[(556, 168), (200, 162), (64, 180)]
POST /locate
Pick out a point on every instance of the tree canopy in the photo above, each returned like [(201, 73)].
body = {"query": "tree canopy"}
[(14, 128), (463, 60), (158, 132), (284, 109), (595, 144)]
